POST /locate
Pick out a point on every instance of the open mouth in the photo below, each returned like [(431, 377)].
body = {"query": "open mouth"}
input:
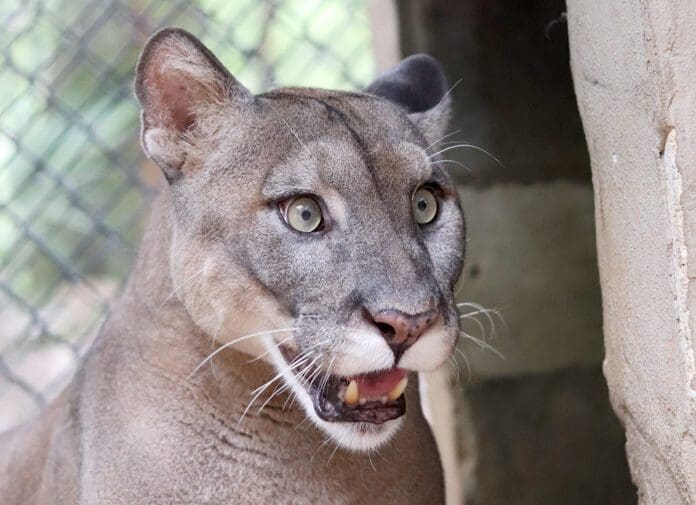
[(374, 397)]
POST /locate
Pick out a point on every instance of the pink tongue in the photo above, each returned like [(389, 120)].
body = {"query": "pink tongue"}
[(379, 383)]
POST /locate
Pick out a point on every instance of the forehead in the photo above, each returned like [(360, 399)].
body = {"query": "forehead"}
[(365, 117), (344, 166), (345, 140)]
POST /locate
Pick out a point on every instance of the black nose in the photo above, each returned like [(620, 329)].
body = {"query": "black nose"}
[(401, 330)]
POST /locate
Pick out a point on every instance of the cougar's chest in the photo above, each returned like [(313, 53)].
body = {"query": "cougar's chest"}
[(272, 461)]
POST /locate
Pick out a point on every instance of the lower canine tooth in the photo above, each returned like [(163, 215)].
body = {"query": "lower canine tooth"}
[(351, 396), (398, 389)]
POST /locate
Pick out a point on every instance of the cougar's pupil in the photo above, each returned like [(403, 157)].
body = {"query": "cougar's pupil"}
[(422, 204), (306, 214)]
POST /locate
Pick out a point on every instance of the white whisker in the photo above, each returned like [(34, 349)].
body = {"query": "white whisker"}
[(466, 360), (469, 146), (183, 283), (442, 138), (297, 137), (298, 425), (300, 361), (290, 399), (327, 374), (479, 323), (488, 313), (332, 454), (309, 381), (444, 97), (278, 344), (259, 391), (300, 376), (235, 341), (482, 344), (212, 344), (277, 391), (454, 365), (369, 458), (326, 441), (454, 162)]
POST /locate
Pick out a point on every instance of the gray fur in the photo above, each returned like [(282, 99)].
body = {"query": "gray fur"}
[(218, 263)]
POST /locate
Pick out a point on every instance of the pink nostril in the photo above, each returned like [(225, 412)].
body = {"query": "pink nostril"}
[(401, 330)]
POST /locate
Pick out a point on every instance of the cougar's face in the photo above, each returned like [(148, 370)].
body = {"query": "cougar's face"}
[(320, 234)]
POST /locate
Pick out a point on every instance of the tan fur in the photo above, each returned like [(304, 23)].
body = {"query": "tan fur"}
[(132, 429), (151, 417)]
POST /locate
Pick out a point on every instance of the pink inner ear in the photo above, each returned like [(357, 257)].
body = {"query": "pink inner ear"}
[(176, 99)]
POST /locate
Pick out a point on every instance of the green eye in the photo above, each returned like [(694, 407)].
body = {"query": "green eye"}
[(304, 214), (424, 206)]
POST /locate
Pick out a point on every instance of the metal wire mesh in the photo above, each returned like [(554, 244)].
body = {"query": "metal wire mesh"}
[(74, 183)]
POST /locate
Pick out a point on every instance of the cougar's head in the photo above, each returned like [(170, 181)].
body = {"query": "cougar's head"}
[(311, 227)]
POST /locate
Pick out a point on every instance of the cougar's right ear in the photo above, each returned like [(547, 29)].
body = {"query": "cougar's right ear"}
[(177, 81)]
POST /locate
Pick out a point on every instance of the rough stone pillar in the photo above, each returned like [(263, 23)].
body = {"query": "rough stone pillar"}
[(634, 68), (535, 428)]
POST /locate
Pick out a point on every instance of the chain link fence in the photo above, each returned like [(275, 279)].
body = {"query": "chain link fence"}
[(74, 184)]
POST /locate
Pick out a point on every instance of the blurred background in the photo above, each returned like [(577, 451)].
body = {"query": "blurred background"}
[(532, 421)]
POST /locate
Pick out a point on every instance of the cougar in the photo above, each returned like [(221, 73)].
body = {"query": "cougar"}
[(296, 274)]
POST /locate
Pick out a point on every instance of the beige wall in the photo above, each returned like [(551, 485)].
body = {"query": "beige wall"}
[(634, 68)]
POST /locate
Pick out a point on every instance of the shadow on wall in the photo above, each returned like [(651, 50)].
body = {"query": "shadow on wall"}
[(542, 427)]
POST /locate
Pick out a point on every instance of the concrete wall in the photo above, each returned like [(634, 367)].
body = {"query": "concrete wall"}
[(634, 68)]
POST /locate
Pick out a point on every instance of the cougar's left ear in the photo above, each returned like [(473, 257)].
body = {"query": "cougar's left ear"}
[(178, 82), (418, 84)]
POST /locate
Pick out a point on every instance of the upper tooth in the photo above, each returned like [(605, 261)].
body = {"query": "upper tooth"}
[(398, 389), (351, 397)]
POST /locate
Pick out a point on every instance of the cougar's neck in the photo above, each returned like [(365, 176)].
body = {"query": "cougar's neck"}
[(156, 332)]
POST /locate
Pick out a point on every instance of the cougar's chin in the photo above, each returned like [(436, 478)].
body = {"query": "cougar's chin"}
[(360, 437)]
